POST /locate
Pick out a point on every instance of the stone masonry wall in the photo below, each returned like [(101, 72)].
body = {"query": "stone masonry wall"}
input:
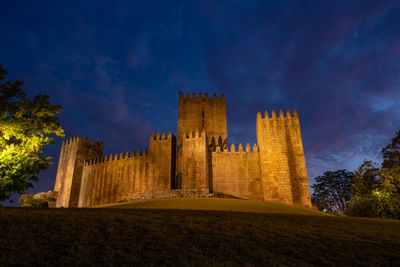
[(237, 173), (116, 178), (73, 153)]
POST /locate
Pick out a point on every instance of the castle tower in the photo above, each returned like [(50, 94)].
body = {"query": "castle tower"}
[(202, 113), (195, 163), (283, 169), (162, 151), (70, 166)]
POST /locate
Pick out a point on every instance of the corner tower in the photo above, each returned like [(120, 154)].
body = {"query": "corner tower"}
[(70, 167), (283, 167)]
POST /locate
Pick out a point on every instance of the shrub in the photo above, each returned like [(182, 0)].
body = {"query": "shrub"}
[(30, 201), (361, 207), (378, 204)]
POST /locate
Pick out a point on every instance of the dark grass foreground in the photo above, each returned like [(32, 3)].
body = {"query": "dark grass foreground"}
[(189, 237)]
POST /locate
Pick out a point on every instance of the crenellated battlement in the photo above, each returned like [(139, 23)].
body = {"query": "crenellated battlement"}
[(117, 156), (280, 115), (232, 149), (200, 96), (161, 137), (215, 141), (195, 134), (79, 139)]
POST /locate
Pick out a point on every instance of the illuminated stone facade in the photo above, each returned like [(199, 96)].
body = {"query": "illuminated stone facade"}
[(196, 163)]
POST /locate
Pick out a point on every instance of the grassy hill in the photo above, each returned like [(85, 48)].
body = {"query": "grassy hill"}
[(221, 204), (194, 232)]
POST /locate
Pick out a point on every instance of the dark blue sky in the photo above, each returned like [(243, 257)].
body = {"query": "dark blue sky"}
[(116, 68)]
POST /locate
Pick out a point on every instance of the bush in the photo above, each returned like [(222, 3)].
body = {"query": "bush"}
[(30, 201), (378, 204), (361, 207)]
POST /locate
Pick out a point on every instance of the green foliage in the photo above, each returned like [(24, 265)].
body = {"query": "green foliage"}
[(376, 191), (378, 204), (332, 191), (30, 201), (26, 126), (366, 179), (361, 207), (390, 180), (391, 153)]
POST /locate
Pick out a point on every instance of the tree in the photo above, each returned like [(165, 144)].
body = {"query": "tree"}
[(376, 192), (26, 126), (391, 153), (332, 191), (390, 180), (390, 175), (366, 179)]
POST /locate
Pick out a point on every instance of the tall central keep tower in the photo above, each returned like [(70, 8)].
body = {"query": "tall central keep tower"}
[(202, 113), (201, 127)]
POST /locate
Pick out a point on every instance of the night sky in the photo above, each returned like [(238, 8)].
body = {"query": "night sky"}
[(116, 68)]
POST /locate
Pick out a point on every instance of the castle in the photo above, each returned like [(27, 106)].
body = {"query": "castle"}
[(196, 163)]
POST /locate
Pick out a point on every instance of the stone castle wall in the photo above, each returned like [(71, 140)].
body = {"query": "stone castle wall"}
[(237, 173), (105, 181), (115, 178)]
